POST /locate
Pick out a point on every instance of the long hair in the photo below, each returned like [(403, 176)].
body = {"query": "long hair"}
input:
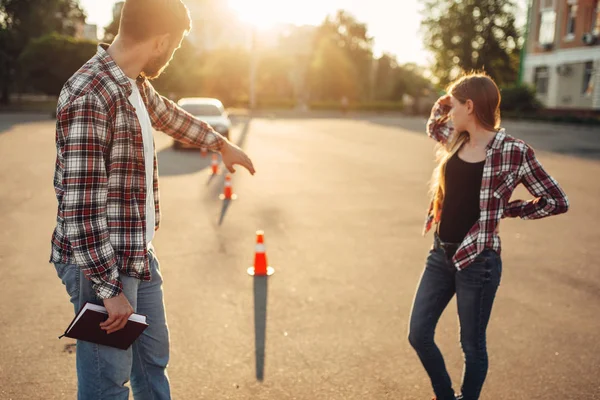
[(483, 92)]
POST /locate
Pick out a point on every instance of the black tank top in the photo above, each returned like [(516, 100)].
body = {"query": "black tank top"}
[(460, 210)]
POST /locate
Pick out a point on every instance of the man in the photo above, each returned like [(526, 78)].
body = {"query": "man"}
[(106, 183)]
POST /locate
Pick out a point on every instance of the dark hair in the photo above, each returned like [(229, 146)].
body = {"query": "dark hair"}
[(142, 19), (483, 92)]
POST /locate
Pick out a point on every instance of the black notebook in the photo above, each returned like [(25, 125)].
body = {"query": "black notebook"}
[(86, 326)]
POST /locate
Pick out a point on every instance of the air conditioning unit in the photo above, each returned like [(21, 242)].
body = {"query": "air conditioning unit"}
[(590, 38), (564, 70)]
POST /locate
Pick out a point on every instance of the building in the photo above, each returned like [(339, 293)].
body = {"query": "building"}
[(86, 31), (90, 32), (117, 8), (562, 53)]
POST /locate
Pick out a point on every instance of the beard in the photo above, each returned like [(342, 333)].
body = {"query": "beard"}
[(156, 66)]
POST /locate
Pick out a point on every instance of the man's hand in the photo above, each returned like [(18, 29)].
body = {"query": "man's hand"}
[(232, 155), (119, 310)]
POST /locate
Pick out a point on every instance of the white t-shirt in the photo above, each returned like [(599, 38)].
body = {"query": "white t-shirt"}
[(142, 114)]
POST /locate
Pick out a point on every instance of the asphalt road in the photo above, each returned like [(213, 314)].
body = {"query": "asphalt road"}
[(342, 203)]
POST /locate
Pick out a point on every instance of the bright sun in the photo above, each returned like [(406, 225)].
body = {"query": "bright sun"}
[(266, 13), (257, 13)]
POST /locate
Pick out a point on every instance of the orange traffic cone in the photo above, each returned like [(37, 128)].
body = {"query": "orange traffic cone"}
[(215, 164), (260, 258), (203, 151), (228, 190)]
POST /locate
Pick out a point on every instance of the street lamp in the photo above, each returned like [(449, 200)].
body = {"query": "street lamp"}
[(253, 67)]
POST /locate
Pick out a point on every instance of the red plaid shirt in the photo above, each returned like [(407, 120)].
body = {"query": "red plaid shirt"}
[(508, 163), (100, 180)]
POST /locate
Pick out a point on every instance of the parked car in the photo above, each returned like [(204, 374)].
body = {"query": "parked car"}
[(208, 110)]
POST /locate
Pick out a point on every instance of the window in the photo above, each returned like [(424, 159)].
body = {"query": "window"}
[(547, 27), (547, 3), (203, 110), (541, 80), (571, 19), (588, 81)]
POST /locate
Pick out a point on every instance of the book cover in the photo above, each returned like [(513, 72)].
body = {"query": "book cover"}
[(86, 326)]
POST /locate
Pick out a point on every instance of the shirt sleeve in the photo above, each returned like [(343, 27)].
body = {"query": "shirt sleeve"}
[(549, 199), (439, 125), (81, 135), (169, 118)]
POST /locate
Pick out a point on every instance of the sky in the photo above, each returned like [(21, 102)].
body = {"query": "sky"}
[(394, 24)]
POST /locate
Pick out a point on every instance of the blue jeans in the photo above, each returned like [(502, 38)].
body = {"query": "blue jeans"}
[(102, 371), (475, 288)]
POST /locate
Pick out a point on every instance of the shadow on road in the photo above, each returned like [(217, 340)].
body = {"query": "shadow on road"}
[(9, 120), (242, 138), (211, 177), (226, 203), (181, 162), (260, 324), (411, 124), (173, 162), (572, 140)]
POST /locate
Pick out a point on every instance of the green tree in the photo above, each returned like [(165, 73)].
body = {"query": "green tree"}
[(385, 77), (183, 76), (273, 77), (332, 75), (472, 35), (22, 21), (393, 81), (225, 75), (49, 61), (111, 30), (352, 45)]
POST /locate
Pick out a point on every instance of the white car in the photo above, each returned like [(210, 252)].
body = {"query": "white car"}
[(208, 110)]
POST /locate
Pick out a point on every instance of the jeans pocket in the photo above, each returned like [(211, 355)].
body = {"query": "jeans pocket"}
[(480, 271), (69, 275)]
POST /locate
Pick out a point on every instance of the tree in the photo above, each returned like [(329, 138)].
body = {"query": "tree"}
[(111, 30), (472, 35), (22, 21), (394, 81), (352, 47), (48, 62), (183, 76), (332, 75), (385, 77), (273, 77), (225, 75)]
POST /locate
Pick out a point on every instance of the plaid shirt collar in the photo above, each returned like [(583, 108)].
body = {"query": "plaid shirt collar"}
[(496, 143), (108, 64)]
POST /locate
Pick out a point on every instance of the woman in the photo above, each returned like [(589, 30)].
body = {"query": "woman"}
[(479, 167)]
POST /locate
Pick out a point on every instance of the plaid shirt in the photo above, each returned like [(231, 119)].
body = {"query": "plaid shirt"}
[(508, 163), (100, 180)]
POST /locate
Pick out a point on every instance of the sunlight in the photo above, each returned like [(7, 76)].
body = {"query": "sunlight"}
[(264, 14)]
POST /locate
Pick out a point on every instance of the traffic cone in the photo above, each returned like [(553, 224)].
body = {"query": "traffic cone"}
[(228, 190), (260, 258), (203, 152), (215, 164)]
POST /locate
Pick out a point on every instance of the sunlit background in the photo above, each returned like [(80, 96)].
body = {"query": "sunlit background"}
[(394, 27)]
